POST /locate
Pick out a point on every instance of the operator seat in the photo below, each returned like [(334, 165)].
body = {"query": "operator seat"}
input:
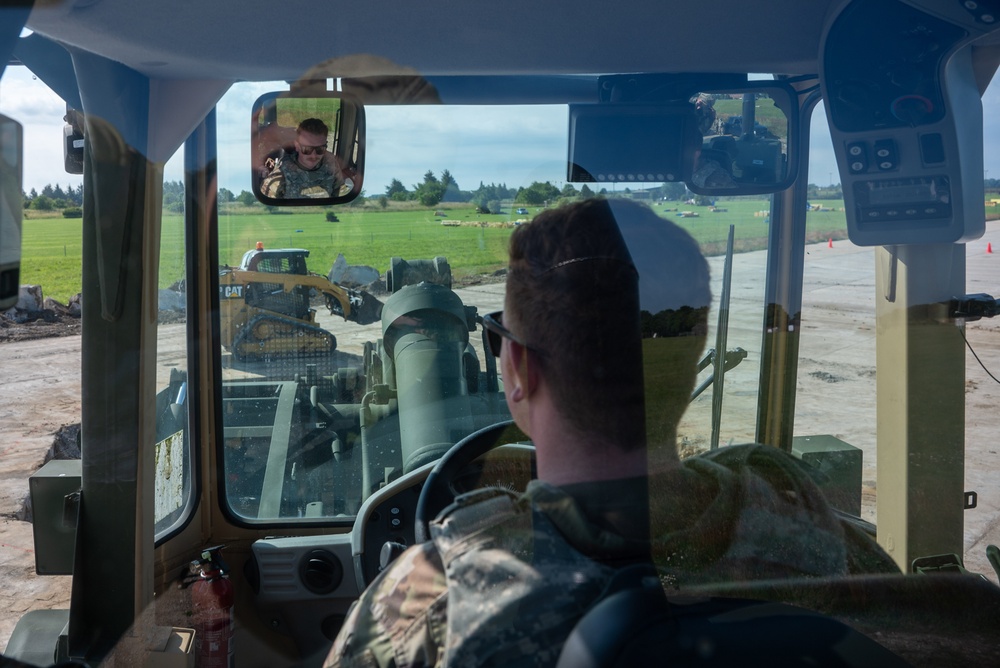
[(634, 623)]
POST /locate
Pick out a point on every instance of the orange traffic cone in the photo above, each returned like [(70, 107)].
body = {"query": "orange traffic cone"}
[(989, 247), (829, 244)]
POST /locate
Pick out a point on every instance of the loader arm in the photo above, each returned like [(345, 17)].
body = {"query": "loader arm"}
[(288, 282)]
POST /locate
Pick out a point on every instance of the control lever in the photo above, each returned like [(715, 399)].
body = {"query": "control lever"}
[(390, 550)]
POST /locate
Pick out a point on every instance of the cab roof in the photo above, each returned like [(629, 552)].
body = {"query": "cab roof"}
[(256, 40)]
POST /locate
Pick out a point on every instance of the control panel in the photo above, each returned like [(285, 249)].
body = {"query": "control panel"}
[(906, 119)]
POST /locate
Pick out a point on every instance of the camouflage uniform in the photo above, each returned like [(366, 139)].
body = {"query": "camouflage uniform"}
[(289, 180), (506, 578)]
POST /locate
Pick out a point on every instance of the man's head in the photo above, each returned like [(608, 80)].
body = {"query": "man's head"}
[(573, 296), (310, 142)]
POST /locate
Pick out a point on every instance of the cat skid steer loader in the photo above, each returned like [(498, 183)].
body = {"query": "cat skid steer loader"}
[(266, 306)]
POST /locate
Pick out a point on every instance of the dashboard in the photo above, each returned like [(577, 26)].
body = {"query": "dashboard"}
[(306, 584)]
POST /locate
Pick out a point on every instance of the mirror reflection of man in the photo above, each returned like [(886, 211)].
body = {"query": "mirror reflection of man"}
[(310, 171), (713, 166)]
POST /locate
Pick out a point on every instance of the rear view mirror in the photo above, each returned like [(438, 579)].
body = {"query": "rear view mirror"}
[(631, 142), (307, 150), (719, 142), (11, 211)]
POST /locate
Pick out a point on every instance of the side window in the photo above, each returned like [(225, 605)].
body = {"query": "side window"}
[(173, 474), (835, 400), (710, 420)]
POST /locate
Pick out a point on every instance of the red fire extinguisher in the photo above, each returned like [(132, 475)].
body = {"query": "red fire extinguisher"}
[(212, 602)]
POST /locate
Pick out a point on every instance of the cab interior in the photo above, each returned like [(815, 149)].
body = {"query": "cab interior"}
[(263, 444)]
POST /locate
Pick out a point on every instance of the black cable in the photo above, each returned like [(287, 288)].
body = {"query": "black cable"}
[(969, 346)]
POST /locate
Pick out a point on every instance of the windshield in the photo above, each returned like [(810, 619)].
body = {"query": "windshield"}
[(315, 415)]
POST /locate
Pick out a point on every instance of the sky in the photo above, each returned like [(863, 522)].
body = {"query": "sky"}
[(395, 137)]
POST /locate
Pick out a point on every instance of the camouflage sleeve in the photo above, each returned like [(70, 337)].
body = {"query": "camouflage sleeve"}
[(400, 620), (273, 184)]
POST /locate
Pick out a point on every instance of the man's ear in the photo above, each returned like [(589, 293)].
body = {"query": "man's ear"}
[(525, 371)]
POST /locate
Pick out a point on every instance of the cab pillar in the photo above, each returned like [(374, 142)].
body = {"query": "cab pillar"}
[(920, 355)]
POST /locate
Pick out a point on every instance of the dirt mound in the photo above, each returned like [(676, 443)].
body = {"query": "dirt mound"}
[(38, 318), (52, 319)]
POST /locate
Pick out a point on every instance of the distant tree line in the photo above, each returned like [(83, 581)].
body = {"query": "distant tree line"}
[(53, 197), (814, 191), (434, 190), (173, 196), (488, 198), (431, 191)]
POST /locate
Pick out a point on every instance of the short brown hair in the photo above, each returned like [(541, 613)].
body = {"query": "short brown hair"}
[(573, 292), (313, 126)]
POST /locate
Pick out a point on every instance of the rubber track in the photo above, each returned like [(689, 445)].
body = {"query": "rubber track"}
[(244, 338)]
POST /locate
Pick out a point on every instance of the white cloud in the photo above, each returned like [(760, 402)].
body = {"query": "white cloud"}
[(40, 111)]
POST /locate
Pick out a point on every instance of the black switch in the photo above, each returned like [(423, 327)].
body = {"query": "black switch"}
[(932, 149)]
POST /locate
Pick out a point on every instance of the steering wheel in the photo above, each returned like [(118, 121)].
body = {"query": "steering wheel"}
[(437, 493)]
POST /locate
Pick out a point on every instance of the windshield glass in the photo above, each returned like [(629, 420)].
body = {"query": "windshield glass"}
[(316, 404)]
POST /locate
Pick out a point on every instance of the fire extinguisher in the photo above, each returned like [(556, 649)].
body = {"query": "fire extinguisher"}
[(212, 601)]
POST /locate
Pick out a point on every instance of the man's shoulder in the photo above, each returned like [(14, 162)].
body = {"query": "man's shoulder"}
[(516, 586), (497, 530), (763, 513), (477, 513), (402, 613), (273, 184), (287, 163)]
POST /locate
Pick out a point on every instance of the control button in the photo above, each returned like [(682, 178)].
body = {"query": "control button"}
[(971, 5), (987, 18), (892, 212), (858, 153), (888, 156), (874, 214), (911, 212), (931, 210)]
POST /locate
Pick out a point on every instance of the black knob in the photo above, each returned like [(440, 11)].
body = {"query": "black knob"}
[(390, 550)]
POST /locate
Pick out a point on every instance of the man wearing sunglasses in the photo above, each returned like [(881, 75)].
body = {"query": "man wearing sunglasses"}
[(605, 318), (308, 172)]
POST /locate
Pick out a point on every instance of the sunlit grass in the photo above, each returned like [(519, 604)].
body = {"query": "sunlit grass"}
[(370, 235)]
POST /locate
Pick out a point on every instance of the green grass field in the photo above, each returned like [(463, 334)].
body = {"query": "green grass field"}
[(52, 247)]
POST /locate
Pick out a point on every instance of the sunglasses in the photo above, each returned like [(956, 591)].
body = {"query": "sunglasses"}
[(493, 324), (309, 150)]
